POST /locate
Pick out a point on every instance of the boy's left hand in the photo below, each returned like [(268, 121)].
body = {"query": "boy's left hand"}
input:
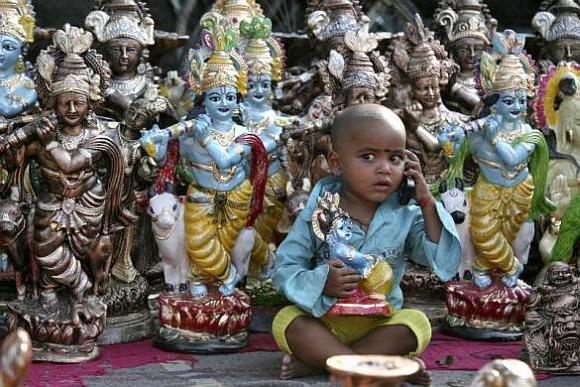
[(423, 195)]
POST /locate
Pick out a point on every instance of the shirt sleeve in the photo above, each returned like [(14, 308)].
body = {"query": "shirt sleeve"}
[(443, 257), (294, 273)]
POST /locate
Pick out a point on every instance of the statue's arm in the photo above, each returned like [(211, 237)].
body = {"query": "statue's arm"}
[(226, 157), (71, 161), (513, 155), (427, 138)]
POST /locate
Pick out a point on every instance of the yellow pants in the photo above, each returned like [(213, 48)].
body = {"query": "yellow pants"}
[(496, 216), (213, 221), (349, 329)]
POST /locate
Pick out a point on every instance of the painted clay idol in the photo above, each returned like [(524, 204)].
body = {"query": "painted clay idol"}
[(507, 196), (223, 200), (333, 226)]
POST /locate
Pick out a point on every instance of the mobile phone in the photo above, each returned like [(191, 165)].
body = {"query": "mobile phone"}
[(407, 190)]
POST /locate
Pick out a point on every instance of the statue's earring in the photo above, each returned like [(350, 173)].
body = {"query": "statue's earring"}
[(493, 110), (20, 66)]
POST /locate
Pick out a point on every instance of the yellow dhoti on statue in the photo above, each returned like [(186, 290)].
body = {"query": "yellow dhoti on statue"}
[(213, 220), (497, 214), (267, 222)]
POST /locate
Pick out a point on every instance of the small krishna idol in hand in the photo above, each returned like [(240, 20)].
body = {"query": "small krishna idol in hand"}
[(333, 226)]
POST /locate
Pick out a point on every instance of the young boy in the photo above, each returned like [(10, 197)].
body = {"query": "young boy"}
[(369, 162)]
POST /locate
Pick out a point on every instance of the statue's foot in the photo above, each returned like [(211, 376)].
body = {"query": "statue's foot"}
[(198, 290), (182, 288), (467, 275), (267, 269), (481, 279), (227, 289), (511, 280), (169, 288)]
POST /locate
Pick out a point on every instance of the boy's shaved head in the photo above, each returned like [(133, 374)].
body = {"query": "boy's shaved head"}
[(354, 118)]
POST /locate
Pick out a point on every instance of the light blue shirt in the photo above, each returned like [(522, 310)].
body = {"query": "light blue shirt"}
[(394, 230)]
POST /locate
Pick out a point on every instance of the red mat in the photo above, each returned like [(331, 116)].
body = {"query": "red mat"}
[(113, 357), (443, 353)]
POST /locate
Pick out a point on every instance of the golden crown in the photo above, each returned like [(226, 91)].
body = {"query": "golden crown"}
[(224, 67), (17, 19), (263, 54), (507, 68)]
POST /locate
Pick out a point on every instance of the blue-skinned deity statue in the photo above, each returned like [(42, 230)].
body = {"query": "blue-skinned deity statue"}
[(17, 90), (215, 163), (264, 57), (512, 158)]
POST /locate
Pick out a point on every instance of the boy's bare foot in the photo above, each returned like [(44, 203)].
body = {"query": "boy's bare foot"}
[(421, 377), (294, 368)]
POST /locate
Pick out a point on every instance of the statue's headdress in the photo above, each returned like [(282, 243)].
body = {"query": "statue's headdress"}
[(121, 19), (507, 68), (322, 22), (262, 53), (559, 21), (465, 19), (326, 214), (70, 65), (361, 70), (224, 67), (17, 19), (237, 11), (418, 54)]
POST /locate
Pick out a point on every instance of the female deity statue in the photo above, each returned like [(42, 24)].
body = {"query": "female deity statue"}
[(264, 56), (508, 194), (558, 25), (69, 232), (125, 29), (467, 29), (17, 93), (421, 64), (222, 202), (557, 108)]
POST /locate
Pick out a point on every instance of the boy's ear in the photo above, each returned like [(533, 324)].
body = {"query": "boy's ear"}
[(334, 163)]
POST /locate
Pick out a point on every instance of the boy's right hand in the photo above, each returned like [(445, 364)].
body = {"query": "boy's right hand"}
[(341, 280)]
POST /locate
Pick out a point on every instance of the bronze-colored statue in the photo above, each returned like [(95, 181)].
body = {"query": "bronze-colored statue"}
[(552, 333), (328, 22), (558, 25), (68, 231), (125, 29), (467, 30), (420, 69)]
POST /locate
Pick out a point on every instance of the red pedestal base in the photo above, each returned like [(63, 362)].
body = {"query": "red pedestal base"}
[(360, 305), (493, 313), (212, 324)]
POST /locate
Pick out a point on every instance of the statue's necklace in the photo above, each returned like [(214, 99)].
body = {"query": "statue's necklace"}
[(10, 82), (72, 142), (225, 139)]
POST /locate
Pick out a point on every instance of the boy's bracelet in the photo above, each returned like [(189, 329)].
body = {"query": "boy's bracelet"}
[(426, 202)]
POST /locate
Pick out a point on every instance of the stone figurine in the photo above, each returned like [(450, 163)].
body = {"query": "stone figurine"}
[(67, 232), (558, 26), (420, 68), (552, 333), (467, 30), (507, 196), (125, 30)]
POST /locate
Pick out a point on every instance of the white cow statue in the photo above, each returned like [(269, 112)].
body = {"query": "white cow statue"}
[(166, 212), (456, 203)]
